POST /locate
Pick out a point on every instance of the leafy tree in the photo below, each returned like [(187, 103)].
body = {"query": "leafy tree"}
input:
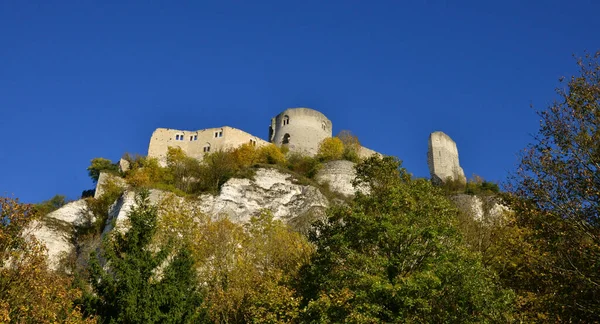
[(395, 256), (245, 155), (143, 283), (330, 149), (305, 165), (101, 165), (146, 173), (29, 292), (216, 168), (50, 205), (246, 269), (271, 154), (185, 170), (556, 195)]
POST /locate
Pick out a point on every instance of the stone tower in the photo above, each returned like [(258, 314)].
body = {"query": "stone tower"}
[(301, 129), (442, 158)]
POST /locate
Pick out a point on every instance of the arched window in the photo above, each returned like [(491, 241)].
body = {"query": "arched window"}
[(286, 120), (206, 148), (219, 133), (324, 126), (177, 137), (286, 139)]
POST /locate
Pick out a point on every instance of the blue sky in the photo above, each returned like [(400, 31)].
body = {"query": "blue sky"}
[(87, 79)]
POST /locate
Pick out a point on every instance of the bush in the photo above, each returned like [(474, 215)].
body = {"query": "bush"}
[(245, 156), (101, 165), (270, 154), (147, 172), (304, 165), (331, 149), (50, 205)]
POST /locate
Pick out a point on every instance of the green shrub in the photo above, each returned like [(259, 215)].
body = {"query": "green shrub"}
[(304, 165), (330, 149), (101, 165)]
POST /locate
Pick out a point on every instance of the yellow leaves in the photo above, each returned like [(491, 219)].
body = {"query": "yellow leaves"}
[(245, 155), (29, 292), (270, 154), (331, 149), (243, 268)]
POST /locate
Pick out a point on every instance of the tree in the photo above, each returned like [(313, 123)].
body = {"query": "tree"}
[(556, 194), (142, 283), (185, 170), (395, 256), (101, 165), (29, 292), (50, 205), (330, 149), (271, 154)]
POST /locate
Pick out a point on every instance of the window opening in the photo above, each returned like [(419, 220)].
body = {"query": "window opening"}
[(206, 148), (195, 137), (286, 139), (286, 120)]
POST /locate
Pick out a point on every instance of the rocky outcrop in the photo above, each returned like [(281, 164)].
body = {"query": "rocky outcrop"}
[(240, 199), (442, 158), (271, 189), (482, 208), (56, 229), (105, 179)]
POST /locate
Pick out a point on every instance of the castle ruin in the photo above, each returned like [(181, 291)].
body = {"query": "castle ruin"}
[(300, 129), (442, 158)]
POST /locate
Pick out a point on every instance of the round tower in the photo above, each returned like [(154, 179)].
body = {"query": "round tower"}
[(301, 129)]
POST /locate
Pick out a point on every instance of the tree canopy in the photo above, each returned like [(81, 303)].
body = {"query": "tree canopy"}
[(395, 256)]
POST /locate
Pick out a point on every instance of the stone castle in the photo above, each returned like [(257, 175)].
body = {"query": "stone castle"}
[(301, 130)]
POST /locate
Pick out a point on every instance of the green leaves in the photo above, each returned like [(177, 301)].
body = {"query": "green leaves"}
[(142, 283), (395, 255), (556, 197), (99, 165)]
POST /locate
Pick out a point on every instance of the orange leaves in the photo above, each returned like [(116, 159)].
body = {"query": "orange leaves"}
[(29, 292)]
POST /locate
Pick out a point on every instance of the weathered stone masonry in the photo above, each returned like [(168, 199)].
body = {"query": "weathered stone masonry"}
[(300, 129)]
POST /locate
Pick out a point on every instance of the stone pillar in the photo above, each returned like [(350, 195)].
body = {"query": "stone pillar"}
[(442, 158)]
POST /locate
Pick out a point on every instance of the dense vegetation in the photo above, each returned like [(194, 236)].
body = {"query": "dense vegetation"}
[(402, 253)]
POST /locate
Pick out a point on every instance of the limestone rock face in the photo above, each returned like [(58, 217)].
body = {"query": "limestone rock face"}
[(124, 165), (339, 175), (240, 199), (481, 208), (105, 178), (271, 189), (55, 230), (442, 158)]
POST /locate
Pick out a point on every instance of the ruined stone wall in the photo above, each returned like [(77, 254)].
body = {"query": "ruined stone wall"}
[(196, 143), (364, 152), (442, 158), (301, 129)]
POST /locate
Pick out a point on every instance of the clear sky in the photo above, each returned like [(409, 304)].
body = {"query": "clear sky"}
[(87, 79)]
